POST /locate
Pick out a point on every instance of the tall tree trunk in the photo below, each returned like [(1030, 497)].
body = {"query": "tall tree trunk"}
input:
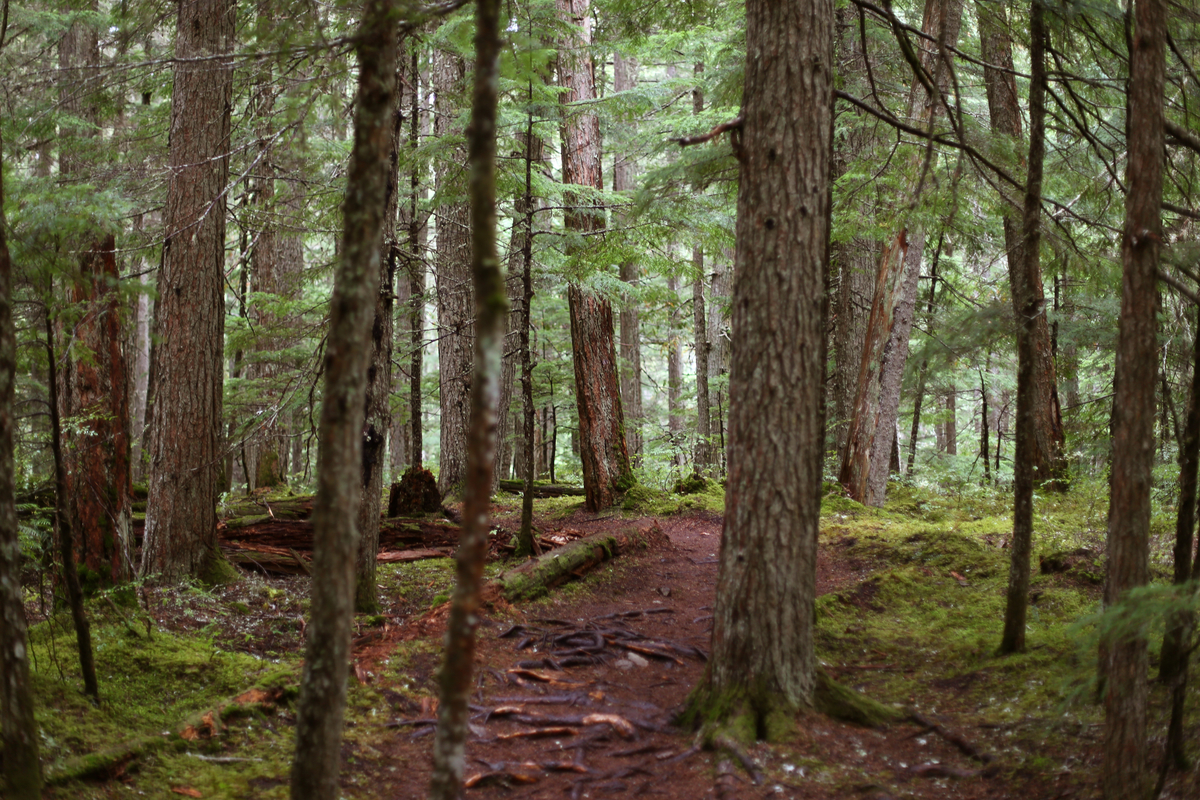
[(674, 374), (1024, 277), (377, 419), (624, 171), (491, 308), (855, 261), (528, 417), (603, 452), (983, 426), (93, 396), (1136, 376), (322, 702), (921, 373), (763, 665), (22, 771), (1173, 663), (1028, 301), (454, 293), (702, 460), (864, 469), (181, 521), (720, 287), (418, 235)]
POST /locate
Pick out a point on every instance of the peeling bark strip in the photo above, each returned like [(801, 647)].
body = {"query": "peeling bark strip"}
[(762, 665), (491, 310), (1125, 693), (339, 464), (602, 446), (864, 470), (22, 772), (185, 448)]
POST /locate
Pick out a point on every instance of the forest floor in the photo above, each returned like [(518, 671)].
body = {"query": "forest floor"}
[(577, 691)]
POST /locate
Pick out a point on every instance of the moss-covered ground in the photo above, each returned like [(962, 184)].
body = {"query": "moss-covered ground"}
[(910, 615)]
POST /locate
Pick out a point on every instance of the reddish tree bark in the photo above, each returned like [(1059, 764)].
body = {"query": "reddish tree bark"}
[(185, 448), (602, 445), (93, 394), (865, 464), (624, 169), (1136, 379)]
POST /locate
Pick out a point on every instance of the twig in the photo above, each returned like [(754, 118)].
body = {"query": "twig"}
[(733, 124), (726, 742)]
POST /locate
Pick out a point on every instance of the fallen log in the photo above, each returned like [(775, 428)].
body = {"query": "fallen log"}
[(536, 577), (543, 489)]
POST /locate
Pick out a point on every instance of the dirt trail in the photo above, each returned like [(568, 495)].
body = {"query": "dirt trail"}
[(600, 725)]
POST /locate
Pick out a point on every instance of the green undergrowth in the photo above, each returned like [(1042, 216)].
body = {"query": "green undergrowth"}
[(697, 495)]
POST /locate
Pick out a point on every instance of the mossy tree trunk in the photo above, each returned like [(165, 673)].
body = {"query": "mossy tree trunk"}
[(491, 309), (1136, 378), (762, 665), (322, 703), (22, 775)]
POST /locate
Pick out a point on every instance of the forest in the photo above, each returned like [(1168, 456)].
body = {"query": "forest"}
[(573, 398)]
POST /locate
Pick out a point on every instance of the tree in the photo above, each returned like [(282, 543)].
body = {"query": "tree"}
[(378, 410), (762, 665), (185, 449), (872, 431), (339, 462), (491, 308), (453, 276), (602, 446), (1032, 334), (22, 775), (1124, 667), (624, 168), (1024, 271)]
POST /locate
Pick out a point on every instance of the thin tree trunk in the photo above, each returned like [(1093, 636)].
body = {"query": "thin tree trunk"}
[(181, 523), (919, 399), (1136, 376), (604, 456), (1029, 306), (983, 431), (418, 234), (720, 287), (377, 419), (525, 534), (1025, 278), (22, 771), (491, 309), (322, 701), (674, 374), (66, 543), (864, 469), (702, 460), (624, 169)]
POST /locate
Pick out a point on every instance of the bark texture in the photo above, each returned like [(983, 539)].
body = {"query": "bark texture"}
[(624, 172), (762, 662), (1136, 378), (455, 303), (322, 701), (185, 448), (602, 447), (377, 419), (1024, 276), (22, 771), (865, 465), (93, 394), (490, 312)]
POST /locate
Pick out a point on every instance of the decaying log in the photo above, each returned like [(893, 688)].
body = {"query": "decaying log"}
[(543, 490), (537, 576)]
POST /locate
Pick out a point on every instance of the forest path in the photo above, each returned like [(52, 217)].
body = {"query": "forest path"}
[(600, 726)]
